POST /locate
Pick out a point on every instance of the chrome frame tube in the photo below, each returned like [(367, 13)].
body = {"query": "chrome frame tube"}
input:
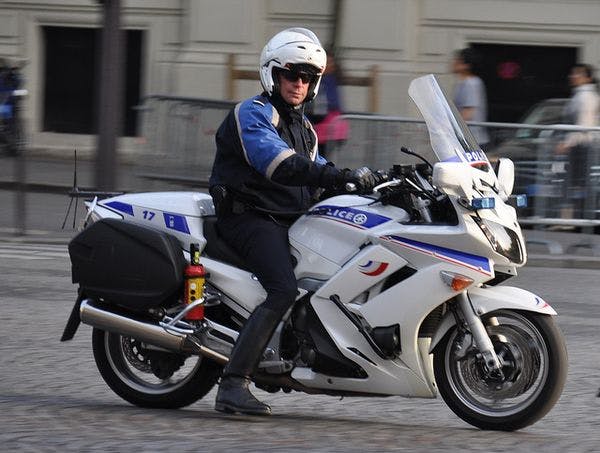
[(225, 330), (176, 324)]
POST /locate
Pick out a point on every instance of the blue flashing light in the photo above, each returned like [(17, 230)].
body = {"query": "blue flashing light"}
[(521, 200), (518, 201), (483, 203)]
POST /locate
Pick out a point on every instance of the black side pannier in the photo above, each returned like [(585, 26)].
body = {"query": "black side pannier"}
[(127, 264)]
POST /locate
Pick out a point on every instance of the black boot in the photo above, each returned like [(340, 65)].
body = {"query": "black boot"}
[(233, 395)]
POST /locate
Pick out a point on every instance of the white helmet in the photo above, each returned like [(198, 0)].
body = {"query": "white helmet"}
[(293, 46)]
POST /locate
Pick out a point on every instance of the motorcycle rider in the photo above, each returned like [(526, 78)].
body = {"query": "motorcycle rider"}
[(265, 172)]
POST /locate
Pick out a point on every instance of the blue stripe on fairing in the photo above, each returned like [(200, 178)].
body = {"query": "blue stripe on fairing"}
[(176, 222), (120, 206), (453, 159), (475, 261), (470, 158), (351, 216)]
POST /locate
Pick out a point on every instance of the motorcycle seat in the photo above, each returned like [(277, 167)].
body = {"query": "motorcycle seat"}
[(216, 248)]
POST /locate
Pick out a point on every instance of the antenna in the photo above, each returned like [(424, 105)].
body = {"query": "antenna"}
[(76, 193), (75, 188), (73, 194)]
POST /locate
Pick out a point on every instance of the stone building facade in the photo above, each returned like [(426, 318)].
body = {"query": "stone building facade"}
[(181, 47)]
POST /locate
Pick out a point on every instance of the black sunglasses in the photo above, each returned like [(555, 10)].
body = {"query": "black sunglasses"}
[(292, 76)]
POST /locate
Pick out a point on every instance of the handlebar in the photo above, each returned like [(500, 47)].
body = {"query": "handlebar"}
[(351, 187), (392, 182)]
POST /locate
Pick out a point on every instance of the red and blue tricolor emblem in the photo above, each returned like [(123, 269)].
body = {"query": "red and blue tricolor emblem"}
[(373, 268)]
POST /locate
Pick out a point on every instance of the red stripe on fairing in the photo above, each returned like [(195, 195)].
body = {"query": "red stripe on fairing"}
[(382, 267), (480, 162)]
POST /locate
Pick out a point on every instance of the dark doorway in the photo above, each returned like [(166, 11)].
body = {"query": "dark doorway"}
[(71, 84), (516, 77)]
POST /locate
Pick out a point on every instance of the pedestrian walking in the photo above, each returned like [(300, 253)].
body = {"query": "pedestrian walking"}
[(469, 93)]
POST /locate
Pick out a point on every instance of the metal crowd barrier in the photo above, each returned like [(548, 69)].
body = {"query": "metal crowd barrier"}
[(562, 188), (178, 138), (180, 145)]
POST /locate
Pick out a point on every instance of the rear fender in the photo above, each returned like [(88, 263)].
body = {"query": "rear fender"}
[(487, 299)]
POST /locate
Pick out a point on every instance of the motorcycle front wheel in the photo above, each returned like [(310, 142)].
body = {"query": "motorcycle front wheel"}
[(151, 377), (533, 354)]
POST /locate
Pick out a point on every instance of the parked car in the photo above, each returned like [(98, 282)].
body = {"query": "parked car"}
[(532, 151), (525, 144)]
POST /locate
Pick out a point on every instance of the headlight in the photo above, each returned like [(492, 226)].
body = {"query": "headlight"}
[(503, 240)]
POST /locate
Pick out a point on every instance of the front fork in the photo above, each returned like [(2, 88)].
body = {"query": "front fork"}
[(479, 333)]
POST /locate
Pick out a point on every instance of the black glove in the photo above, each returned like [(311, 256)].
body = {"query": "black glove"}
[(381, 176), (363, 178)]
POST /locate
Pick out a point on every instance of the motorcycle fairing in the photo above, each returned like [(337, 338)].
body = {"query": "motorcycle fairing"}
[(237, 284), (391, 377), (336, 228), (371, 265), (409, 373)]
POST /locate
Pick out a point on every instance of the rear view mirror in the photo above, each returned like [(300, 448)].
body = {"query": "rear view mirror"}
[(505, 172)]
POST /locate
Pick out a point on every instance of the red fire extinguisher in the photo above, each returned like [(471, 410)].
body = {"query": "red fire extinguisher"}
[(195, 276)]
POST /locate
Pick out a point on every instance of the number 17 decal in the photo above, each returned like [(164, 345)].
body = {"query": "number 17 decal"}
[(148, 215)]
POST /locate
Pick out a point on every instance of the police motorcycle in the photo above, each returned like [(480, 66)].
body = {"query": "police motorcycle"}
[(11, 133), (398, 292)]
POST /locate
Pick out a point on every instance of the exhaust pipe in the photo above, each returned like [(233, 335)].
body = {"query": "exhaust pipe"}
[(148, 333)]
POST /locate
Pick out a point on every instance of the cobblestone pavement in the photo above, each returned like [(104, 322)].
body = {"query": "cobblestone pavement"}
[(52, 397)]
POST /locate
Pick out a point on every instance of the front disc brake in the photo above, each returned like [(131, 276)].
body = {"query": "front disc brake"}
[(520, 365)]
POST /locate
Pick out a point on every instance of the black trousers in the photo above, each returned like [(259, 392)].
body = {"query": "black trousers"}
[(263, 243)]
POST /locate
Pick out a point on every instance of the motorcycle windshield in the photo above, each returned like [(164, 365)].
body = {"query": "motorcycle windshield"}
[(451, 139)]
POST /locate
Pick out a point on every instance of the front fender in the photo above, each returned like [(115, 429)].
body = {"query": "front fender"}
[(487, 299)]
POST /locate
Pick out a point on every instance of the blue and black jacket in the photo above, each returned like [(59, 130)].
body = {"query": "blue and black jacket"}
[(267, 157)]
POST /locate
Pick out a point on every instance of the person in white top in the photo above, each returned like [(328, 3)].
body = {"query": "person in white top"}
[(583, 109)]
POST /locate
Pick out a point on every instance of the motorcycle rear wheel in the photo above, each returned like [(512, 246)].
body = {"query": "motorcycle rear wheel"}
[(533, 351), (152, 378)]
